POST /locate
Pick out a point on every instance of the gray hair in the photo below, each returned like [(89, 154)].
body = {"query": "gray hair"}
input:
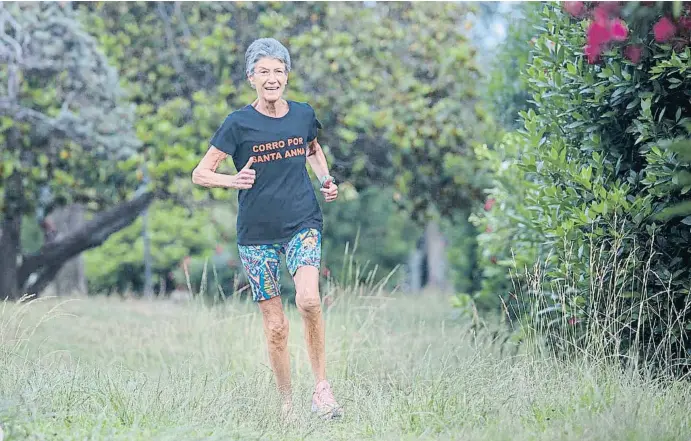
[(265, 47)]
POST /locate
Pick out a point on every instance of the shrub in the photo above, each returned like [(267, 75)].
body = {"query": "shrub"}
[(599, 173), (509, 242), (174, 232)]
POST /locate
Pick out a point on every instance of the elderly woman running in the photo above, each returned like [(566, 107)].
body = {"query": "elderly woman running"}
[(272, 139)]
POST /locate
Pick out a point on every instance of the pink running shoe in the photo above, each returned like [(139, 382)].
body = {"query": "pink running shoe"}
[(324, 403)]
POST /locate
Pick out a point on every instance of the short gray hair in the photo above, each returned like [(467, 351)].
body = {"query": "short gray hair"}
[(265, 47)]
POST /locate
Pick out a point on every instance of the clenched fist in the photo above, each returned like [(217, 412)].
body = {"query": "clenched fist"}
[(244, 179), (330, 190)]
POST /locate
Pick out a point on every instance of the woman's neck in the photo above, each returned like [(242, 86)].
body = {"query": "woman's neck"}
[(274, 109)]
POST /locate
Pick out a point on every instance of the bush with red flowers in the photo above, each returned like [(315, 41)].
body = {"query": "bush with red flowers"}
[(590, 185), (608, 28)]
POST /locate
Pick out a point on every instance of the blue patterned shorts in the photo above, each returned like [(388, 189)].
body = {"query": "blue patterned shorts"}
[(262, 262)]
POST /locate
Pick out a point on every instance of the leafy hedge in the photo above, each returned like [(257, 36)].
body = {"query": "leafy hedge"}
[(585, 187)]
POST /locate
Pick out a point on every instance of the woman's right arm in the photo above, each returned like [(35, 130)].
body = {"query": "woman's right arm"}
[(205, 174)]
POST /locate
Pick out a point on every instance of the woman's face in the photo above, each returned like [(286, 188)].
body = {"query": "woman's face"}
[(269, 79)]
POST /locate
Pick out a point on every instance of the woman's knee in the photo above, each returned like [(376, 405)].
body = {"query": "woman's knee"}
[(277, 328), (308, 303)]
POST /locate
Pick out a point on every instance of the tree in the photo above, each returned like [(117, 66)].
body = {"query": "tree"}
[(597, 169), (61, 114), (395, 86), (398, 85), (383, 79)]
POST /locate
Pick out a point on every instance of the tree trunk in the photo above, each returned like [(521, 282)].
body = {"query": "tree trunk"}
[(436, 257), (9, 254), (415, 269), (10, 240), (70, 279), (43, 266)]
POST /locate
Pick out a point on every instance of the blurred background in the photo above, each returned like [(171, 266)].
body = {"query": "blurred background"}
[(483, 149), (400, 89)]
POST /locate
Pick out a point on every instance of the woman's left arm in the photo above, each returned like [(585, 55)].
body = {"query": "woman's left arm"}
[(317, 161)]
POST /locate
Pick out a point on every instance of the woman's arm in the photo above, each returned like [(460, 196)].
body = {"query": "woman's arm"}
[(317, 161), (205, 174)]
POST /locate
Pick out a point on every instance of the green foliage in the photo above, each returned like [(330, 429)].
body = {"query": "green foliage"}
[(389, 120), (177, 64), (395, 86), (377, 235), (509, 242), (508, 88), (216, 277), (74, 130), (119, 263), (461, 241), (591, 174)]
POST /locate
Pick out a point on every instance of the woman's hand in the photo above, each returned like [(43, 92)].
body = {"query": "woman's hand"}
[(329, 189), (244, 179), (205, 173)]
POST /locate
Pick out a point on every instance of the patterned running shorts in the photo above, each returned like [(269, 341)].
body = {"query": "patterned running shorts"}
[(262, 262)]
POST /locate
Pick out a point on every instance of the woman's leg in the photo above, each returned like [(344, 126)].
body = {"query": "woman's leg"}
[(261, 264), (276, 330), (303, 258), (309, 304)]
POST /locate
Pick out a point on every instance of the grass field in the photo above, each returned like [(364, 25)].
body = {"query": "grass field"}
[(405, 368)]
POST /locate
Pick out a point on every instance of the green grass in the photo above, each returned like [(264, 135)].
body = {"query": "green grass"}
[(405, 368)]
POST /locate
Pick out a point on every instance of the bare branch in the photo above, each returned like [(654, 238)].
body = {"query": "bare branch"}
[(91, 235)]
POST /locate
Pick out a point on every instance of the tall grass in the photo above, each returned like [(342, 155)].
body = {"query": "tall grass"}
[(609, 317), (404, 366)]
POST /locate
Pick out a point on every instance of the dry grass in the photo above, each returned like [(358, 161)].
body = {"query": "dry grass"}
[(404, 367)]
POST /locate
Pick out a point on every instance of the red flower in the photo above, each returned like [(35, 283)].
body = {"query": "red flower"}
[(601, 15), (592, 52), (489, 204), (598, 34), (574, 8), (604, 11), (633, 53), (663, 30), (618, 30)]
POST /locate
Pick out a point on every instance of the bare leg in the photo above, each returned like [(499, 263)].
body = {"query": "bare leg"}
[(276, 329), (309, 304)]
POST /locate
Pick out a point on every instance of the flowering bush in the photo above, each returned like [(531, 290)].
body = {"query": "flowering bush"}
[(582, 185), (608, 30)]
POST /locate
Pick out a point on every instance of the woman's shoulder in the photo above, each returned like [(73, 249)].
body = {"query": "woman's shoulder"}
[(237, 115), (301, 105)]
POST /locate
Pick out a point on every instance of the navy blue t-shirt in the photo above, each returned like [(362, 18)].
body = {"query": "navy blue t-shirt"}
[(282, 200)]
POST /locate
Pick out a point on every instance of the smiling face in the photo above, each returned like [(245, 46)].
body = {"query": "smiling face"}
[(269, 79)]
